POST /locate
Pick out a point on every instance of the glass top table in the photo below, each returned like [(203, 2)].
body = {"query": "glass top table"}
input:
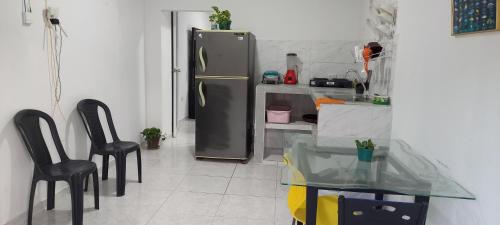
[(332, 163)]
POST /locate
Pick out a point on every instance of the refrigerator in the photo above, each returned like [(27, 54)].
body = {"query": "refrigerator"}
[(224, 90)]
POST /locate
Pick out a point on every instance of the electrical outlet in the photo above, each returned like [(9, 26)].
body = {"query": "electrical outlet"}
[(27, 18), (52, 13)]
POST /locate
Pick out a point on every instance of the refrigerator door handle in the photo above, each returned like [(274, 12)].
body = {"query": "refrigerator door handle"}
[(202, 59), (202, 96)]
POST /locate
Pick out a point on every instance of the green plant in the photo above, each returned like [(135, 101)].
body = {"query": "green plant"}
[(365, 144), (152, 134), (220, 16)]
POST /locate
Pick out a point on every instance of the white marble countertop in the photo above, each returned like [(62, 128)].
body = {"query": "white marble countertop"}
[(316, 92)]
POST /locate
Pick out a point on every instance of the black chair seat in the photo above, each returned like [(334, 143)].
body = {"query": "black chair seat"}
[(69, 168), (119, 146)]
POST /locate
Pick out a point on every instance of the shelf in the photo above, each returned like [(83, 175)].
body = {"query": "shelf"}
[(297, 125), (273, 155)]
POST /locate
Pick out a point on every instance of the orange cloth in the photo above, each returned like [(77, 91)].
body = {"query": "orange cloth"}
[(367, 55), (320, 101)]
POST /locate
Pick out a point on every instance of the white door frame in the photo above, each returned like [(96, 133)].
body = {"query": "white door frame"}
[(169, 58), (175, 69)]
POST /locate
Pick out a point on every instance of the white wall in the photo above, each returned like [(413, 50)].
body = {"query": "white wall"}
[(269, 20), (102, 58), (185, 22), (157, 45), (446, 104), (282, 19)]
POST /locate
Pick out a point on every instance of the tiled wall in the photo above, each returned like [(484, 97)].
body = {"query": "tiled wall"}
[(319, 58)]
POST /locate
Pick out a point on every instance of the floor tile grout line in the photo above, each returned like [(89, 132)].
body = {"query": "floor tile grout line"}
[(161, 206), (222, 199), (169, 196), (232, 175)]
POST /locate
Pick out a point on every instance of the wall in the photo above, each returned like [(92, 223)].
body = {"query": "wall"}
[(446, 105), (290, 20), (282, 19), (157, 70), (326, 59), (102, 58), (185, 22)]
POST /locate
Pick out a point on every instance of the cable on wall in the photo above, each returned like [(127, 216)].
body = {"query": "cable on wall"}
[(53, 44)]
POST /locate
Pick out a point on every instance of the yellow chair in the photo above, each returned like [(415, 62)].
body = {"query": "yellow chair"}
[(327, 212)]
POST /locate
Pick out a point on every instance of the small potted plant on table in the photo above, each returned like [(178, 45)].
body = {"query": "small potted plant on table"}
[(153, 136), (365, 150)]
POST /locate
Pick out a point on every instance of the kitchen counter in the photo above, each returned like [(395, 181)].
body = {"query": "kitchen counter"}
[(352, 119), (346, 94)]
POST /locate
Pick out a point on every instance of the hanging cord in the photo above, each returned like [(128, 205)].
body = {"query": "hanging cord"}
[(53, 43), (26, 5)]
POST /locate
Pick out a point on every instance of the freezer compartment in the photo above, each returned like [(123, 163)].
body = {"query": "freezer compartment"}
[(222, 53), (222, 123)]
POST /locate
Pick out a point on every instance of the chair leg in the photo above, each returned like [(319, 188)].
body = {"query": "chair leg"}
[(86, 185), (95, 177), (121, 168), (105, 164), (293, 221), (51, 193), (76, 188), (87, 178), (30, 204), (139, 165), (299, 223)]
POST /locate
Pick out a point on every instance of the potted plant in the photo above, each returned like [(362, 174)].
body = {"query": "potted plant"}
[(365, 150), (153, 136), (222, 18)]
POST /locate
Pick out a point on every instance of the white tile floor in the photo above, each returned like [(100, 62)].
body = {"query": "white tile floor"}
[(177, 189)]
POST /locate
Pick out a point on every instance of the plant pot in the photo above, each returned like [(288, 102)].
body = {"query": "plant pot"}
[(365, 155), (214, 26), (154, 144), (225, 25)]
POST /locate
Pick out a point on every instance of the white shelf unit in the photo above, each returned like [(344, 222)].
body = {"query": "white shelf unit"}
[(297, 125), (273, 155), (269, 137)]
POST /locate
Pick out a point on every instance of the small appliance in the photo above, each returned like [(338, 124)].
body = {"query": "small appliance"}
[(334, 83), (290, 77), (271, 77), (292, 73)]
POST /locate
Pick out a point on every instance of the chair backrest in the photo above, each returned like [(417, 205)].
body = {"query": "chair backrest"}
[(89, 112), (373, 212), (28, 123)]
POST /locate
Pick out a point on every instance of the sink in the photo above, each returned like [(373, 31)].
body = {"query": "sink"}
[(350, 98)]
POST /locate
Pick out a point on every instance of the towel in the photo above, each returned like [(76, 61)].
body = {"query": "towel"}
[(320, 101)]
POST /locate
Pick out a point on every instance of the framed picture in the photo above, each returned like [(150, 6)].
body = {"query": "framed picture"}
[(473, 16)]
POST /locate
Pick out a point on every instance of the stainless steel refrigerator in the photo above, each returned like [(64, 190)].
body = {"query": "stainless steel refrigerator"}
[(224, 94)]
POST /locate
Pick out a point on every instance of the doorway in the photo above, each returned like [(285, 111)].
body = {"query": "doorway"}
[(178, 64)]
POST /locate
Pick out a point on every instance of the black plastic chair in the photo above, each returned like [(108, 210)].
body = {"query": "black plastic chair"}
[(374, 212), (88, 110), (72, 171)]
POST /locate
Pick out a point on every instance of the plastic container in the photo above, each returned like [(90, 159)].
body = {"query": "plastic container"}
[(278, 114)]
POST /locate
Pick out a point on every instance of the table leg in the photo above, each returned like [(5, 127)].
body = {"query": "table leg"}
[(379, 196), (423, 199), (311, 205)]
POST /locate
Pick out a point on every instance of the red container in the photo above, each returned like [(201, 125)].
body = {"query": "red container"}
[(290, 77), (278, 114)]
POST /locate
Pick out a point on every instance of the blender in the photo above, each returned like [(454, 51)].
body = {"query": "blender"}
[(292, 64)]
